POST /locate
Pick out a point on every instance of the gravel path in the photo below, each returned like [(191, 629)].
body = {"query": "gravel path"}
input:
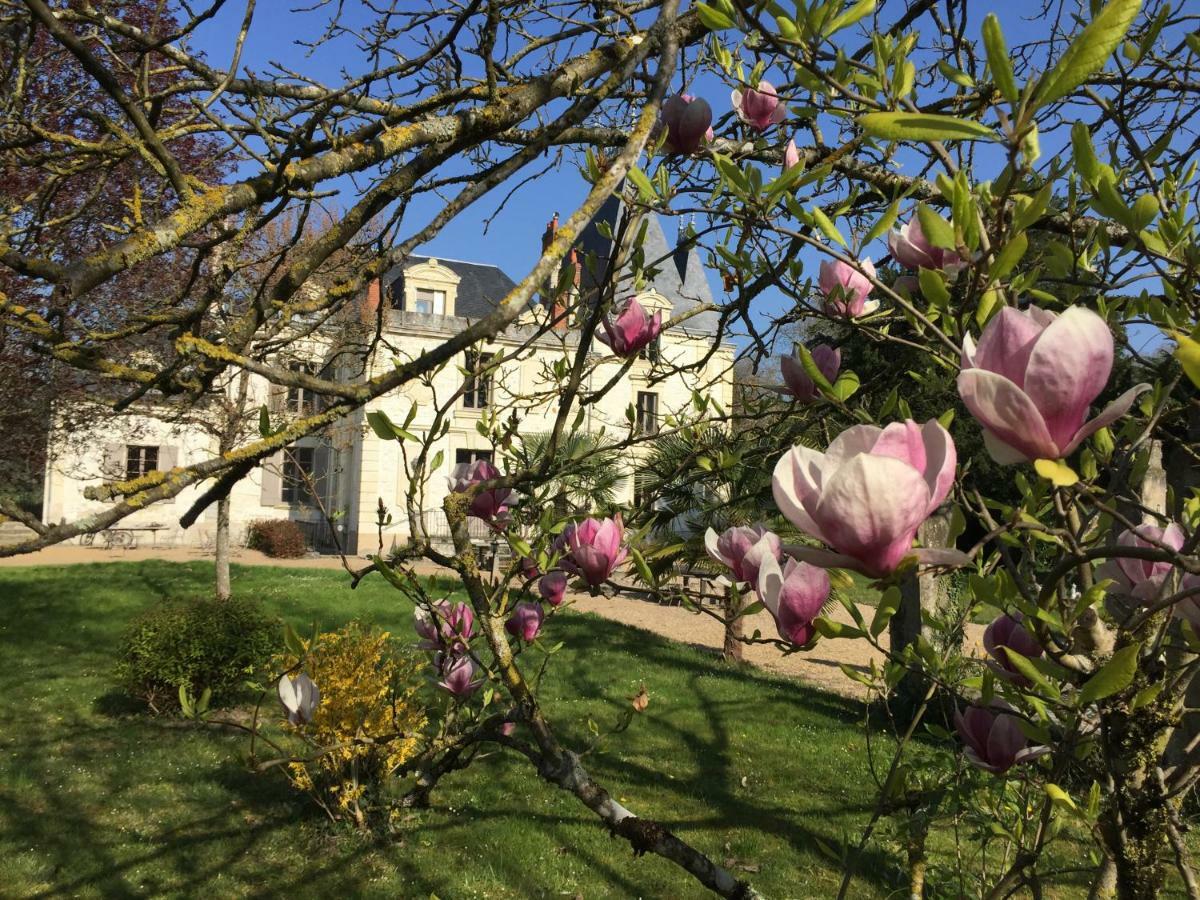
[(818, 667)]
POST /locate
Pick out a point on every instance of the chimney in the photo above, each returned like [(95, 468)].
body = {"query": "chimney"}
[(370, 303), (554, 301)]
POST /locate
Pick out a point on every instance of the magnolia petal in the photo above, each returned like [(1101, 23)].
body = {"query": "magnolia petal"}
[(1003, 453), (1107, 416), (941, 460), (1068, 368), (826, 559), (1003, 408), (1007, 342), (710, 544), (941, 556), (796, 485)]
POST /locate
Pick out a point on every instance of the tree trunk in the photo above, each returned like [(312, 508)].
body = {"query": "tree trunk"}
[(222, 549), (735, 626)]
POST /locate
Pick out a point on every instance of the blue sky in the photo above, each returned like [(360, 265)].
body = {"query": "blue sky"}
[(512, 239)]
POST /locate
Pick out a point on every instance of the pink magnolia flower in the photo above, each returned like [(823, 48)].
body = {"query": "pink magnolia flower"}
[(525, 621), (1032, 378), (867, 494), (688, 121), (759, 108), (794, 595), (743, 549), (451, 627), (994, 740), (629, 328), (299, 696), (846, 287), (803, 388), (1142, 579), (553, 587), (458, 676), (529, 568), (427, 630), (1189, 607), (911, 248), (487, 505), (1007, 633), (791, 156), (594, 548)]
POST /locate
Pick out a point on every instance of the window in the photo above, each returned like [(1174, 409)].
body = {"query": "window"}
[(301, 402), (647, 412), (297, 464), (139, 459), (429, 301), (467, 457), (477, 389), (652, 352)]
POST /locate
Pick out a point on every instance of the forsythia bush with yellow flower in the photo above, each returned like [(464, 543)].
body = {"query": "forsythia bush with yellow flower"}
[(368, 724)]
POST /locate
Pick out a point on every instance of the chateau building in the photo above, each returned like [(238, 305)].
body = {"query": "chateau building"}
[(419, 304)]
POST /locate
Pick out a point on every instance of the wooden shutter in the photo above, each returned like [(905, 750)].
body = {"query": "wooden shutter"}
[(168, 458), (272, 483), (320, 472), (114, 461)]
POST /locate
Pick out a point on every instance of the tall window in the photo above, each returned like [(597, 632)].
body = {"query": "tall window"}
[(140, 459), (462, 456), (429, 301), (652, 352), (647, 412), (477, 389), (301, 402), (297, 463)]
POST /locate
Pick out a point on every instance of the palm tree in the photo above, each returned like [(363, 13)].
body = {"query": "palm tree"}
[(586, 471)]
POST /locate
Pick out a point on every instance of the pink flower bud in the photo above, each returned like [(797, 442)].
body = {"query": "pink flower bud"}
[(867, 494), (300, 697), (743, 549), (760, 109), (1007, 633), (794, 595), (487, 505), (803, 388), (1032, 378), (427, 630), (529, 568), (553, 587), (458, 676), (629, 328), (507, 728), (687, 120), (1142, 579), (525, 621), (911, 248), (846, 287), (994, 740), (594, 548), (791, 156)]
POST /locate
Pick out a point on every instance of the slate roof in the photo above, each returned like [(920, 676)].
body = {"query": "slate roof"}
[(481, 288), (680, 277)]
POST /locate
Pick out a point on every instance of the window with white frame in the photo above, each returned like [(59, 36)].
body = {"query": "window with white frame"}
[(429, 301), (140, 459)]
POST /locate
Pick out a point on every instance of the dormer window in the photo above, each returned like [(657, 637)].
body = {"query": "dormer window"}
[(429, 301)]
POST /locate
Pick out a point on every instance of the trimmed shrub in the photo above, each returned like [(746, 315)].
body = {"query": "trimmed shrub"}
[(369, 723), (215, 644), (278, 538)]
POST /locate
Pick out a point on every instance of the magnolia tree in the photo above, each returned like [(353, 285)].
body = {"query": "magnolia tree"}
[(1014, 210)]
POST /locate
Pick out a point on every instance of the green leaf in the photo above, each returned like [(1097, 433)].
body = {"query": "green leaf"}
[(1187, 354), (827, 227), (846, 386), (1114, 676), (643, 569), (998, 58), (1058, 795), (946, 418), (264, 421), (1056, 472), (937, 230), (1145, 208), (381, 425), (831, 629), (902, 126), (888, 604), (933, 287), (885, 223), (988, 304), (645, 188), (1008, 257), (859, 10), (810, 367), (713, 19), (1088, 52)]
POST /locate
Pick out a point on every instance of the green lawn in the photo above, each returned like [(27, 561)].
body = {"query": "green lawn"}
[(95, 802)]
